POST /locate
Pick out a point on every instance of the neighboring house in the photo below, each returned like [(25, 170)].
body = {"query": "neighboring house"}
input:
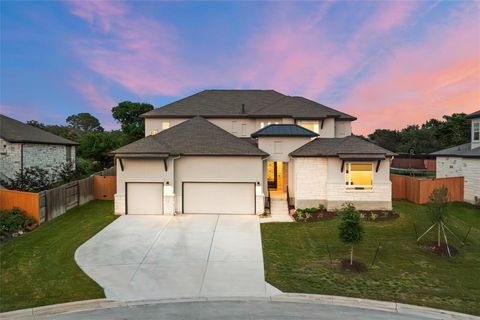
[(23, 146), (463, 161), (221, 151)]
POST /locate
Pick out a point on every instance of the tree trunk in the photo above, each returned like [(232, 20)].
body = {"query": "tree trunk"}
[(438, 241), (351, 256)]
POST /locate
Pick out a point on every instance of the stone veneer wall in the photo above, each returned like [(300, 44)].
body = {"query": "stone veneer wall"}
[(46, 156)]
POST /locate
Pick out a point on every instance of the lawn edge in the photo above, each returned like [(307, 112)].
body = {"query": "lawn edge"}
[(100, 304)]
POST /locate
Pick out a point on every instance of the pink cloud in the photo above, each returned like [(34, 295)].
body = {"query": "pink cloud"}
[(440, 74), (98, 13), (95, 95)]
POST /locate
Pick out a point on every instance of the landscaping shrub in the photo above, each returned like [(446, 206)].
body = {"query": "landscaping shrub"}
[(14, 221), (31, 179)]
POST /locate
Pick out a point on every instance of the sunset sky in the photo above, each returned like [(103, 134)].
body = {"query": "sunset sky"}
[(388, 63)]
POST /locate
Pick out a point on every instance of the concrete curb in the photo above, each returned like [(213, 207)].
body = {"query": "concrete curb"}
[(99, 304)]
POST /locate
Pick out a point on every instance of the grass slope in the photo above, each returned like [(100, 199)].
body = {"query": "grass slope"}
[(296, 260), (38, 268)]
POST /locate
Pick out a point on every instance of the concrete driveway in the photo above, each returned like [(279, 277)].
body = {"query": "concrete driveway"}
[(158, 257)]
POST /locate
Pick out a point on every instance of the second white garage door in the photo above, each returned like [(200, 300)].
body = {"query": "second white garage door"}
[(144, 198), (219, 197)]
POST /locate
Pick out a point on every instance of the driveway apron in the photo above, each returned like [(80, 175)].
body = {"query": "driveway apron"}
[(159, 257)]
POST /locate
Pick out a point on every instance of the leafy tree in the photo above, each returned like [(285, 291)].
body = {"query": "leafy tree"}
[(96, 146), (66, 172), (85, 122), (351, 229), (66, 132), (128, 114)]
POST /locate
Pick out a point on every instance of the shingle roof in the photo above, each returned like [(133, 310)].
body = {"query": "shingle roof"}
[(473, 115), (15, 131), (258, 103), (464, 151), (284, 130), (196, 136), (350, 146)]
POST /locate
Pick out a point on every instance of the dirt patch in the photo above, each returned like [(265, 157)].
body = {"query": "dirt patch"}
[(356, 266), (378, 215), (316, 216), (441, 249)]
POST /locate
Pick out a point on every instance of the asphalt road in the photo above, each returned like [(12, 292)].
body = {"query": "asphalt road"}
[(233, 310)]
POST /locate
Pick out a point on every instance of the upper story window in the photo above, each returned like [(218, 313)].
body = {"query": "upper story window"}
[(234, 126), (165, 125), (310, 125), (244, 129), (359, 176), (476, 131), (68, 150), (264, 124), (152, 132)]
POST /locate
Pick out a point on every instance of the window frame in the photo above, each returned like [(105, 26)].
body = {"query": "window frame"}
[(476, 130), (348, 177)]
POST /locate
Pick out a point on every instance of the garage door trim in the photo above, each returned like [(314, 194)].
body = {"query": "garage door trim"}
[(142, 182), (222, 182)]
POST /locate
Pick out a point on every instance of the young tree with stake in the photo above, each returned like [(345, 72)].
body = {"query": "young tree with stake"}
[(351, 229)]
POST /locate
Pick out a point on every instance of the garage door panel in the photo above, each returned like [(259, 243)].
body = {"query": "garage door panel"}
[(144, 198), (219, 198)]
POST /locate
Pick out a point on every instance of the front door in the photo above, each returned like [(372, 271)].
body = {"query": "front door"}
[(272, 176)]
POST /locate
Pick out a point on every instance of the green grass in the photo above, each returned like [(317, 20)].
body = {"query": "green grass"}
[(38, 268), (296, 260)]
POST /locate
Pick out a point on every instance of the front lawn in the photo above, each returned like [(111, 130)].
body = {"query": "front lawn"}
[(296, 260), (38, 268)]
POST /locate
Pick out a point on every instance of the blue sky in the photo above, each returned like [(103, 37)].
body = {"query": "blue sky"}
[(388, 63)]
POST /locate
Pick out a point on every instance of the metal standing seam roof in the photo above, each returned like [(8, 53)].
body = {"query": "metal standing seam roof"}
[(196, 136), (257, 104), (347, 148), (18, 132), (284, 130), (464, 151)]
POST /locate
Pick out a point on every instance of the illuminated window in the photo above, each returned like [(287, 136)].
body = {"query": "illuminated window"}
[(165, 125), (152, 132), (262, 124), (310, 125), (359, 176), (476, 131)]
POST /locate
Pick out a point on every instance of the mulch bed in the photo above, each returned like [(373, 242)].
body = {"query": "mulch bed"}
[(378, 215), (356, 266), (440, 250), (317, 216)]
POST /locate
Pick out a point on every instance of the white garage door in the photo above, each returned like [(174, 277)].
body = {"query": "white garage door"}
[(144, 198), (221, 198)]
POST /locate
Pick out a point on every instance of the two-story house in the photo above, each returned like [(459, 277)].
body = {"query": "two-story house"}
[(463, 161), (23, 146), (222, 151)]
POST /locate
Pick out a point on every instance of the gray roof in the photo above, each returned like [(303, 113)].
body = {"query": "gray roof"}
[(18, 132), (350, 147), (196, 136), (473, 115), (284, 130), (257, 103), (464, 151)]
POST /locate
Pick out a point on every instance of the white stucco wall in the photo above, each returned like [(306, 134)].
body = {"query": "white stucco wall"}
[(343, 129), (279, 147), (469, 168), (202, 169), (320, 181), (156, 123)]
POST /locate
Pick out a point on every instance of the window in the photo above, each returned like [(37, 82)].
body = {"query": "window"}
[(244, 129), (152, 132), (165, 125), (68, 150), (234, 126), (476, 131), (359, 176), (310, 125)]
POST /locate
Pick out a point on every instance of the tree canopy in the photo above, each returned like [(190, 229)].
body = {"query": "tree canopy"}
[(433, 135), (128, 113), (85, 122)]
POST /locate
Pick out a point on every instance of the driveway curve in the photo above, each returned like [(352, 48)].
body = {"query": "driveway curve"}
[(157, 257)]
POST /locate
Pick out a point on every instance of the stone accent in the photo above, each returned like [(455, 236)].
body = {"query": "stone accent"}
[(10, 158), (168, 201), (310, 180), (462, 167), (260, 204), (119, 204), (379, 198)]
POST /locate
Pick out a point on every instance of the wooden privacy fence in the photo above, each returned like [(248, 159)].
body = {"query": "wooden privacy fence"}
[(49, 204), (418, 190)]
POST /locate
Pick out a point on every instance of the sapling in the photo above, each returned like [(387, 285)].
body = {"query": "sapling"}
[(351, 229)]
